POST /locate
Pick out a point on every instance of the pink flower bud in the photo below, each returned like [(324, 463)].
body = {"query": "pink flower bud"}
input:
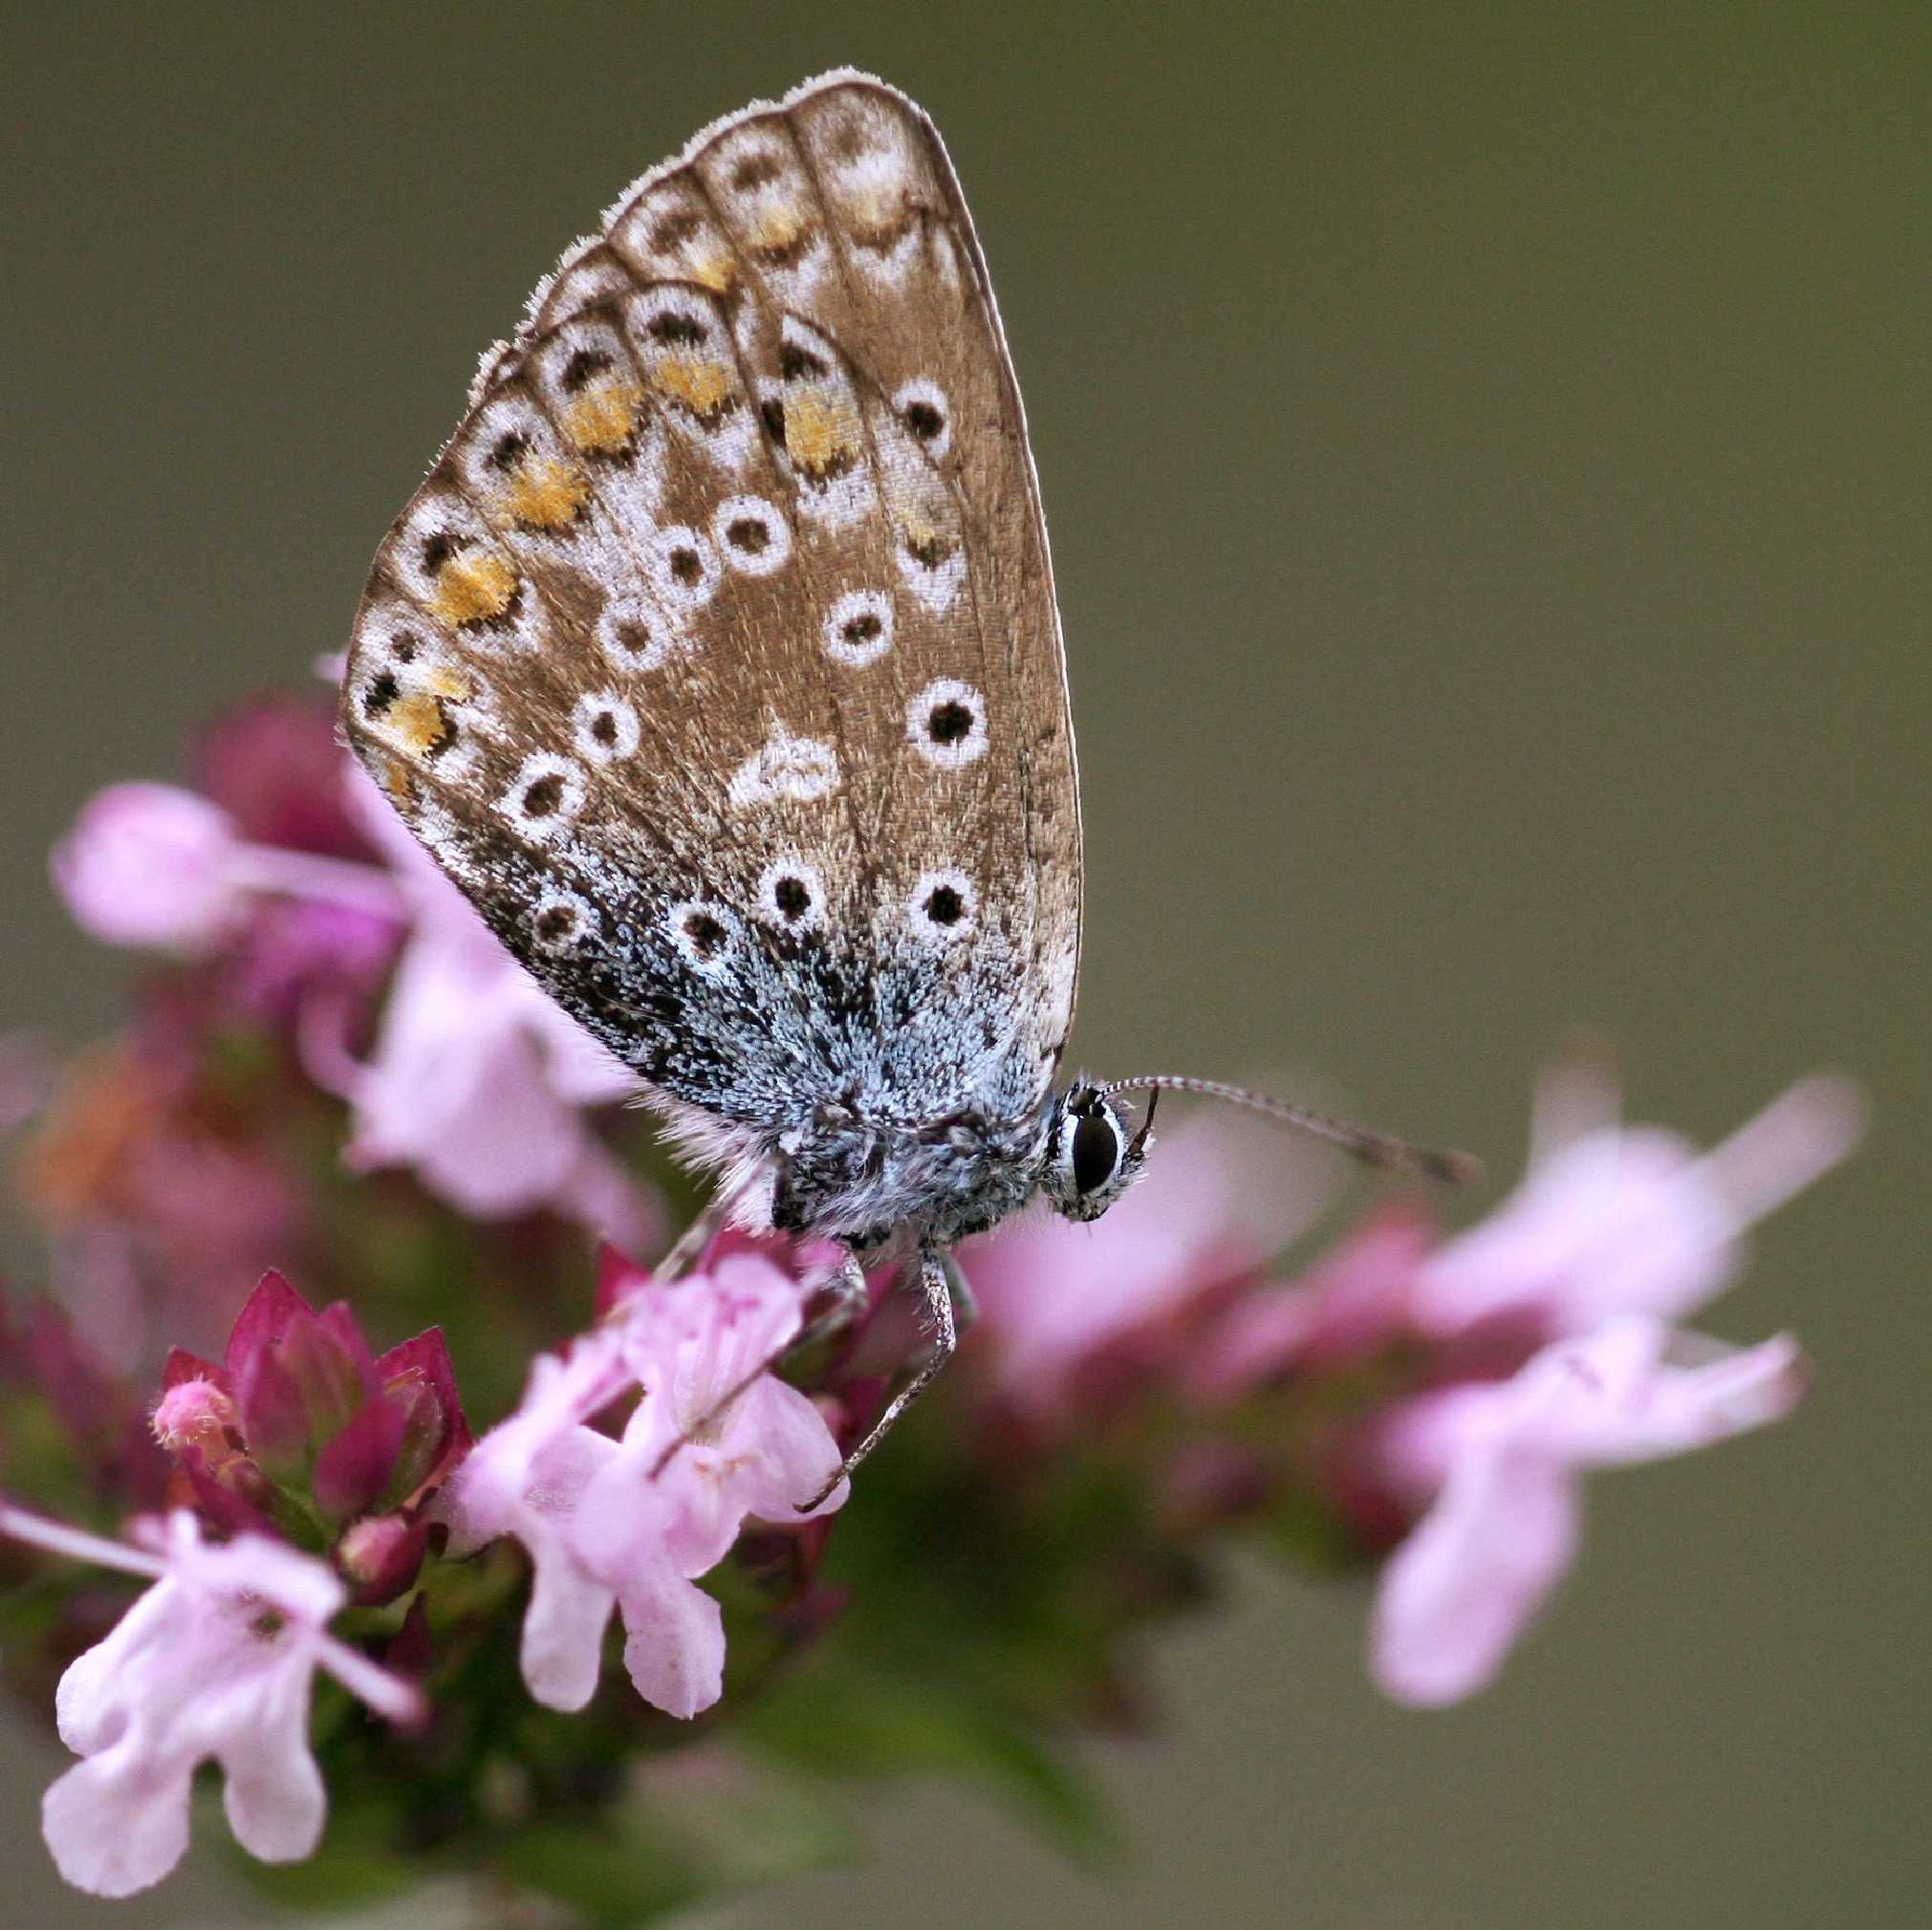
[(379, 1557), (196, 1414), (150, 864)]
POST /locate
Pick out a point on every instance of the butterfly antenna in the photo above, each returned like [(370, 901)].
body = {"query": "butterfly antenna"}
[(1371, 1148)]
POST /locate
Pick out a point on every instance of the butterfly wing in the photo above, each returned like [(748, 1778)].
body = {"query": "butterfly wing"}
[(717, 659)]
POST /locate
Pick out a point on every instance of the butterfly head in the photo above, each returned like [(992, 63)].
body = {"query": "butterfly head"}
[(1092, 1157)]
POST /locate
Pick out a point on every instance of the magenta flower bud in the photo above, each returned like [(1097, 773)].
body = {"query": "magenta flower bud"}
[(379, 1557), (300, 1377), (328, 1360), (315, 1408), (353, 1471), (150, 864), (417, 1378)]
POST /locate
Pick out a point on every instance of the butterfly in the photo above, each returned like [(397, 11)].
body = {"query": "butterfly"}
[(717, 661)]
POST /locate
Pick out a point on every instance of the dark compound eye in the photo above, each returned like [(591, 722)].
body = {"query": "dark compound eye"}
[(1096, 1151)]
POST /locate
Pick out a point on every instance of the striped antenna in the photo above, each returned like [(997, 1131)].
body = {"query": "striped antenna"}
[(1371, 1148)]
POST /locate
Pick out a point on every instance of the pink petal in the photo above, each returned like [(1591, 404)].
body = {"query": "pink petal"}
[(563, 1630), (273, 1793), (91, 1705), (795, 1454), (1459, 1590), (265, 1316), (674, 1645), (1508, 1457), (118, 1823)]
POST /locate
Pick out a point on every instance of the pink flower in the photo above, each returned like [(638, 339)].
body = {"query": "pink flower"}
[(614, 1524), (1612, 1235), (1503, 1462), (1613, 1219), (526, 1478), (478, 1077), (1351, 1302), (213, 1663), (150, 864), (1060, 1301)]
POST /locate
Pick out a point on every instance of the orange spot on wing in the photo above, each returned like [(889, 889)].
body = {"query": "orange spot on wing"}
[(820, 428), (702, 385), (546, 495), (472, 588), (778, 228), (714, 272), (601, 420), (414, 722), (448, 681)]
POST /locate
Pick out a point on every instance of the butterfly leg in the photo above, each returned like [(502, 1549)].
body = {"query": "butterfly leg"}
[(934, 1284), (689, 1246), (849, 1298), (686, 1249), (966, 1306)]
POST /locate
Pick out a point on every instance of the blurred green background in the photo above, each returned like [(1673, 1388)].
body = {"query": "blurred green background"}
[(1486, 454)]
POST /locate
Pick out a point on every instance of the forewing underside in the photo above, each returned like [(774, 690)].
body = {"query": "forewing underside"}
[(717, 659)]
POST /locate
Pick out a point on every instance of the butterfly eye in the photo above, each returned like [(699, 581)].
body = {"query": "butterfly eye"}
[(1096, 1151)]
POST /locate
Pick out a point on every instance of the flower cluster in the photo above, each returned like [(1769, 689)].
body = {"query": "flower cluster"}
[(715, 1437), (489, 1656)]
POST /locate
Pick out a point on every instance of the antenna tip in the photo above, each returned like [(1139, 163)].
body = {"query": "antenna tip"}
[(1453, 1170)]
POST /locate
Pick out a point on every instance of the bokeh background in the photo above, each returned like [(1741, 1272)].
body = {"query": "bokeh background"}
[(1487, 453)]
